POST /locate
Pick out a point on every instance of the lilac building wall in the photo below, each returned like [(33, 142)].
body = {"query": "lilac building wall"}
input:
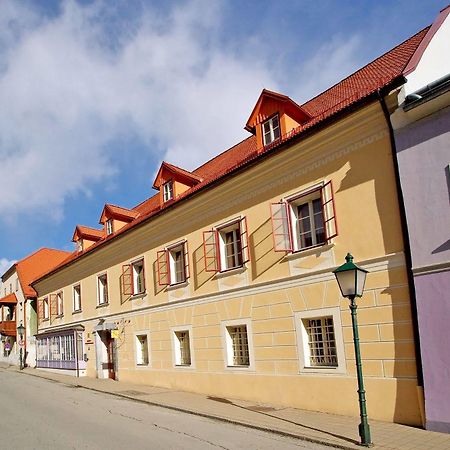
[(423, 152)]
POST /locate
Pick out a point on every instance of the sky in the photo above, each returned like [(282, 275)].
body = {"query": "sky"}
[(95, 94)]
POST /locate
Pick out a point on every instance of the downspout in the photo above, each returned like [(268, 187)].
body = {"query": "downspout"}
[(407, 244), (75, 333)]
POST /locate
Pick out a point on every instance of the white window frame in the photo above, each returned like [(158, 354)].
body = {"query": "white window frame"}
[(272, 129), (180, 246), (303, 340), (76, 297), (59, 304), (102, 290), (168, 190), (227, 344), (222, 231), (109, 227), (137, 349), (135, 276), (176, 350), (79, 245), (46, 308)]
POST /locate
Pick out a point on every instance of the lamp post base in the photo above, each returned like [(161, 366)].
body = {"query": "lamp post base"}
[(364, 434)]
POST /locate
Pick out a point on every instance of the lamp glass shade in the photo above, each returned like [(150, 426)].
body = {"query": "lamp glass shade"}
[(21, 330), (351, 278)]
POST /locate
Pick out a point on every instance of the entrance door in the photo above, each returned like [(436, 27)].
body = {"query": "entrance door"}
[(111, 351)]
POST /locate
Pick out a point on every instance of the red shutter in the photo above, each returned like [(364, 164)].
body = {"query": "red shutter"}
[(329, 212), (162, 264), (143, 277), (186, 260), (127, 280), (281, 227), (40, 310), (210, 250), (244, 240), (53, 307)]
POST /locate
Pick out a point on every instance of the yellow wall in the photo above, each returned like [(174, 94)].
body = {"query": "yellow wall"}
[(355, 155)]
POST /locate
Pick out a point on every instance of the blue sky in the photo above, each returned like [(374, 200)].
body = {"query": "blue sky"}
[(95, 94)]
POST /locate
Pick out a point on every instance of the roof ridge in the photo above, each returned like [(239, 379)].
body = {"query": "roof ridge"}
[(363, 67)]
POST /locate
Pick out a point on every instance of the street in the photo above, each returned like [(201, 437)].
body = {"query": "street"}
[(42, 414)]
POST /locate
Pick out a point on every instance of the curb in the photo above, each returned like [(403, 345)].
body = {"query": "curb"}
[(194, 413)]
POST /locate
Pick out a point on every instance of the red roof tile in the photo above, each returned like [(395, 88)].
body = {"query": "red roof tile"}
[(9, 299), (36, 265), (378, 74), (118, 212), (87, 232)]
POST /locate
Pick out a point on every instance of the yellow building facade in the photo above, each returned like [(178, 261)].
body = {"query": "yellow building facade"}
[(269, 326)]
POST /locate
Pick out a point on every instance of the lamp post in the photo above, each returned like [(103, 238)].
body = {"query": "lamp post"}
[(351, 279), (21, 332)]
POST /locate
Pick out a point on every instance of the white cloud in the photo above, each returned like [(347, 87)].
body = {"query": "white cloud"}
[(5, 264), (66, 95)]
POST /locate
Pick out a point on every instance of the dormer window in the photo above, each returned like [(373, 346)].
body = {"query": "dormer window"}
[(271, 130), (109, 227), (168, 191), (79, 245)]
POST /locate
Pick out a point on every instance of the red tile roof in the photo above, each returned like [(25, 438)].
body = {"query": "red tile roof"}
[(36, 265), (118, 212), (87, 232), (380, 73), (9, 299)]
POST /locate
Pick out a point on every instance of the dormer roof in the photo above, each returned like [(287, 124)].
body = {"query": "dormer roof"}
[(181, 175), (82, 232), (117, 212), (291, 108)]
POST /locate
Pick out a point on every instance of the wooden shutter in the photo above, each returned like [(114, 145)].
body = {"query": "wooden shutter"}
[(40, 310), (186, 260), (329, 212), (127, 280), (281, 227), (244, 240), (143, 277), (211, 251), (162, 265), (53, 307)]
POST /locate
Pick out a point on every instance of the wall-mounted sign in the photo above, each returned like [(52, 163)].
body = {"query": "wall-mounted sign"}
[(115, 334)]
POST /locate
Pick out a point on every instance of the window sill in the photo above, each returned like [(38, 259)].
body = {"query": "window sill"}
[(142, 366), (138, 296), (102, 305), (184, 366), (233, 271), (325, 370), (46, 319), (240, 368), (59, 316), (77, 311), (172, 287), (309, 251)]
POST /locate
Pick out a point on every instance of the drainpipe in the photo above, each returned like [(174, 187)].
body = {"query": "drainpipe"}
[(407, 244)]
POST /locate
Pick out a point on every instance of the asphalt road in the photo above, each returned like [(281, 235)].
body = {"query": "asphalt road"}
[(41, 414)]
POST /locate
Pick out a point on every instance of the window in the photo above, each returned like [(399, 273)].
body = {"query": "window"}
[(77, 298), (133, 278), (17, 284), (109, 227), (79, 245), (305, 221), (142, 349), (102, 282), (237, 346), (271, 130), (226, 247), (168, 191), (59, 304), (45, 309), (173, 264), (182, 348), (320, 340)]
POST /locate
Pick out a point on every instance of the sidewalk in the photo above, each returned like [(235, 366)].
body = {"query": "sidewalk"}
[(336, 431)]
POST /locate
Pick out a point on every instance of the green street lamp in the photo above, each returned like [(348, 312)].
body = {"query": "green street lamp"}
[(351, 280), (21, 332)]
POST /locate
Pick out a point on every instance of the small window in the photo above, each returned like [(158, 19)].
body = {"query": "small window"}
[(17, 284), (271, 130), (237, 346), (77, 298), (320, 340), (45, 309), (10, 288), (168, 191), (138, 277), (102, 282), (142, 350), (173, 264), (59, 304), (109, 227), (79, 245), (226, 247), (306, 221), (182, 348)]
